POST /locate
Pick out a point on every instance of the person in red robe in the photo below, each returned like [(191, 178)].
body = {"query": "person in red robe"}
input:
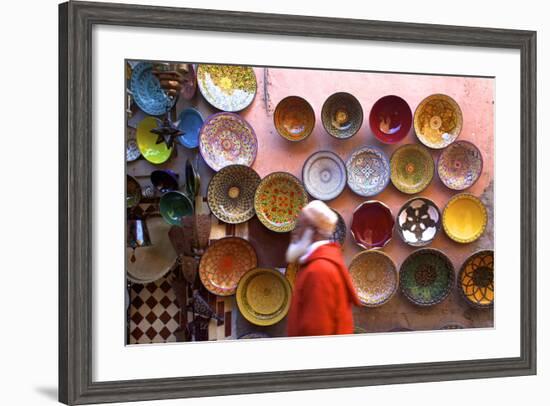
[(323, 293)]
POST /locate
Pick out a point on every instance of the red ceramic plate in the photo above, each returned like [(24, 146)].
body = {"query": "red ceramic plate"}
[(390, 119), (372, 224)]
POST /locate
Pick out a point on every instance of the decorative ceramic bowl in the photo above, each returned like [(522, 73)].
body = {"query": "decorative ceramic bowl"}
[(340, 231), (224, 263), (133, 192), (464, 218), (164, 180), (231, 193), (426, 277), (342, 115), (294, 118), (190, 123), (476, 279), (147, 92), (291, 271), (437, 121), (278, 201), (147, 142), (390, 119), (460, 165), (412, 168), (372, 224), (324, 175), (418, 221), (374, 276), (227, 139), (174, 206), (263, 296), (368, 171), (227, 87)]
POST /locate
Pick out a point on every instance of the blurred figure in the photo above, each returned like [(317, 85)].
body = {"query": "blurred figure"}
[(323, 293)]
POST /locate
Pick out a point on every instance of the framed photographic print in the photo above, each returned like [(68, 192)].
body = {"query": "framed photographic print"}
[(259, 202)]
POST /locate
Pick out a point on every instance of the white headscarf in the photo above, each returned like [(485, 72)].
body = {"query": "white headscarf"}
[(321, 217)]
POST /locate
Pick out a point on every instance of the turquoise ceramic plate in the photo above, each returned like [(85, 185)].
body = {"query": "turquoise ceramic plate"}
[(174, 206)]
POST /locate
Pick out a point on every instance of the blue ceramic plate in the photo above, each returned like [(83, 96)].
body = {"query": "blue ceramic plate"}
[(190, 123), (147, 92)]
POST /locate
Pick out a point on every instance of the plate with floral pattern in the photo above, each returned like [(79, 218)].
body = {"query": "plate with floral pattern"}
[(460, 165), (368, 171), (418, 221), (476, 279), (437, 121), (412, 168)]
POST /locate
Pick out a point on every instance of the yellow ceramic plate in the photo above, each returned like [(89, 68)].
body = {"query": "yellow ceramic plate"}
[(437, 121), (263, 296), (476, 279), (147, 142), (464, 218)]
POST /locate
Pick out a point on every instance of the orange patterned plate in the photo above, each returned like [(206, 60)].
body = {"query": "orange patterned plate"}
[(223, 264), (476, 279)]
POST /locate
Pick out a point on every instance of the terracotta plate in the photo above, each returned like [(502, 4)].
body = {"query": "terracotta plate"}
[(324, 175), (464, 218), (437, 121), (342, 115), (476, 279), (372, 224), (294, 118), (147, 142), (418, 221), (412, 168), (368, 170), (460, 165), (390, 119)]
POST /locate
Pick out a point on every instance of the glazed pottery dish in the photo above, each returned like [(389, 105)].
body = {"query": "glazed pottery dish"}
[(340, 231), (342, 115), (190, 123), (437, 121), (476, 279), (426, 277), (164, 180), (412, 168), (133, 192), (231, 193), (372, 224), (374, 276), (368, 170), (278, 201), (418, 221), (291, 271), (224, 263), (390, 119), (460, 165), (324, 175), (156, 153), (227, 139), (294, 118), (147, 92), (174, 206), (464, 218), (263, 296), (227, 87)]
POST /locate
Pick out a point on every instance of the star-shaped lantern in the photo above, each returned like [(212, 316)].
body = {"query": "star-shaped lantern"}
[(167, 131)]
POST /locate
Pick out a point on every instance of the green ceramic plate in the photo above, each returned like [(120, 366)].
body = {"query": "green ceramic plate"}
[(174, 206), (412, 168)]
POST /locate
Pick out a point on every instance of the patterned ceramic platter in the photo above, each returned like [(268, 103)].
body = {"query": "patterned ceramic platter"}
[(368, 171), (426, 277), (372, 224), (132, 150), (147, 142), (390, 119), (294, 118), (263, 296), (374, 276), (418, 221), (437, 121), (464, 218), (291, 271), (460, 165), (341, 230), (148, 94), (133, 192), (324, 175), (231, 193), (476, 279), (190, 123), (224, 263), (342, 115), (278, 201), (227, 88), (412, 168), (174, 206), (227, 139)]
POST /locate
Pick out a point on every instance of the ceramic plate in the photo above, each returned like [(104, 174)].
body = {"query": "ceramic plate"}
[(476, 279), (231, 193), (132, 150), (147, 142), (148, 94), (374, 276), (190, 123), (227, 88), (174, 206), (426, 277), (464, 218), (227, 139), (437, 121), (342, 115), (418, 221), (133, 192), (341, 230), (390, 119), (412, 168), (278, 201), (263, 296), (368, 170), (294, 118), (372, 224), (324, 175), (460, 165), (224, 263)]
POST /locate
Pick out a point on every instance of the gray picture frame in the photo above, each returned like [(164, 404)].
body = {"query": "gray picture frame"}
[(76, 20)]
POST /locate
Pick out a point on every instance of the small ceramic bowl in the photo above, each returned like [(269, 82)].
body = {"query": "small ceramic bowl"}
[(342, 115), (133, 192), (368, 170), (418, 221), (164, 180), (324, 175), (390, 119), (174, 206), (412, 168), (372, 224), (190, 123), (460, 165), (476, 279), (437, 121), (294, 118), (464, 218)]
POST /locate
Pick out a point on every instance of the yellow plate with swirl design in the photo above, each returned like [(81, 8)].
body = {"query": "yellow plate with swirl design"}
[(412, 168), (263, 296), (464, 218), (437, 121)]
